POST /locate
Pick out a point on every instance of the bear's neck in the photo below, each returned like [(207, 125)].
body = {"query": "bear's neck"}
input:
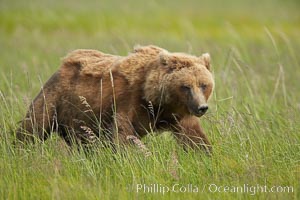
[(154, 88)]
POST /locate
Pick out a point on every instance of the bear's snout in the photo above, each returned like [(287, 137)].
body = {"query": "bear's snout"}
[(198, 110), (202, 109)]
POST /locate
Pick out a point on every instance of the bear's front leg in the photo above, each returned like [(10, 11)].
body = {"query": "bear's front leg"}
[(122, 128), (188, 132), (39, 122)]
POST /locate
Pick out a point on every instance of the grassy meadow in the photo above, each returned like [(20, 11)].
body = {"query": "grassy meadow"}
[(253, 121)]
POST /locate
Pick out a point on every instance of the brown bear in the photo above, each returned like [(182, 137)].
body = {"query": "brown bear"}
[(114, 97)]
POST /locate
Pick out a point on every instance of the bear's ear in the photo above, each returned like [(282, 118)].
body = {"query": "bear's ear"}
[(205, 58), (164, 57), (137, 48)]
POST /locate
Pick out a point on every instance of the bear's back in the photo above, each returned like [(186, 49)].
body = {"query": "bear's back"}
[(89, 62), (86, 62)]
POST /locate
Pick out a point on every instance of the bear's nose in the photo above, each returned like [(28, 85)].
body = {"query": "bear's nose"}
[(203, 108)]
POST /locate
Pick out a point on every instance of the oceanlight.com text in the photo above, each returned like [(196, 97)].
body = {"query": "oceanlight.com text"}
[(250, 189)]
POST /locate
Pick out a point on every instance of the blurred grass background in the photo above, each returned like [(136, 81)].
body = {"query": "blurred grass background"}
[(255, 111)]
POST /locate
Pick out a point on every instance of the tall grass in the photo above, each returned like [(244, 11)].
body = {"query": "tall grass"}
[(253, 121)]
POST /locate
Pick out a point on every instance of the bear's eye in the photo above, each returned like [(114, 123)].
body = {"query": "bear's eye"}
[(203, 86), (185, 87)]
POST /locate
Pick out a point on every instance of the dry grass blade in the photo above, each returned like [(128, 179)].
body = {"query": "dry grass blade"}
[(140, 145), (174, 165), (89, 135), (85, 103)]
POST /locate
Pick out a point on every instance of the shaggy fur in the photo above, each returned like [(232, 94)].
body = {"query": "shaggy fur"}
[(114, 96)]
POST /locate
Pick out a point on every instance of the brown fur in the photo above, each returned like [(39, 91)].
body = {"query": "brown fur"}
[(118, 96)]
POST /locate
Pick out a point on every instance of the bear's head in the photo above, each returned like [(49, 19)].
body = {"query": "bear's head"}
[(180, 82)]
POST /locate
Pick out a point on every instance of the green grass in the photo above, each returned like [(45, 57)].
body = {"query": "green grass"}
[(254, 114)]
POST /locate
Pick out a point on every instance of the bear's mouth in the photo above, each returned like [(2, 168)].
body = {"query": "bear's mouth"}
[(198, 111), (198, 114), (195, 112)]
